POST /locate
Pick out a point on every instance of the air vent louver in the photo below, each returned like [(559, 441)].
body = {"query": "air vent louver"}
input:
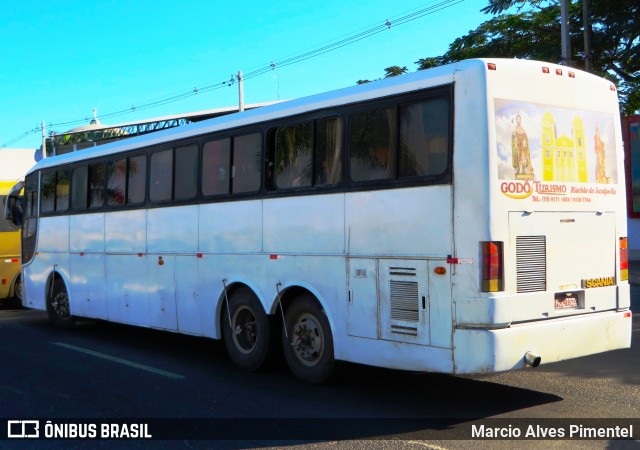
[(404, 300), (531, 263)]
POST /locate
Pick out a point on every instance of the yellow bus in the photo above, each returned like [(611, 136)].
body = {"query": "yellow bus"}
[(10, 279)]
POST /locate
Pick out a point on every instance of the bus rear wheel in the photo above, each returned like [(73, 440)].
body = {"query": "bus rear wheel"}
[(246, 331), (308, 342), (58, 308)]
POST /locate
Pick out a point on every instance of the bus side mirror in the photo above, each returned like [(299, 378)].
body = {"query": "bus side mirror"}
[(13, 212)]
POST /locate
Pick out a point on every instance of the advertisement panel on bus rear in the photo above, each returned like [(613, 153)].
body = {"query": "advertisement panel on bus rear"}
[(551, 154)]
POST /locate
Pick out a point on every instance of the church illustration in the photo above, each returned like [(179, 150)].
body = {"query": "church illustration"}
[(564, 158)]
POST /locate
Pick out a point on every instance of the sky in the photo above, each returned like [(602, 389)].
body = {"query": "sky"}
[(63, 58)]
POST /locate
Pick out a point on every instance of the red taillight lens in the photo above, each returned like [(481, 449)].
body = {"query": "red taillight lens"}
[(624, 259), (492, 266)]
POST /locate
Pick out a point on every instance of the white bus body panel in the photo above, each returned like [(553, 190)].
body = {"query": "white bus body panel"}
[(305, 225), (234, 227)]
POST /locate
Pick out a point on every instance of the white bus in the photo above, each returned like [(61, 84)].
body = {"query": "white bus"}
[(464, 219)]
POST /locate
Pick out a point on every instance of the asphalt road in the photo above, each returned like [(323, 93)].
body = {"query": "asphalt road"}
[(106, 371)]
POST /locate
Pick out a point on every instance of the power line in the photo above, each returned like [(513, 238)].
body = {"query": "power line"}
[(343, 41)]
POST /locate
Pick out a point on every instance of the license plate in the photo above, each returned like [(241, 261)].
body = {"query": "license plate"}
[(567, 300)]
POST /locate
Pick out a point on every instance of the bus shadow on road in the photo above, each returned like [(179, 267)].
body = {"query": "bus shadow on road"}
[(405, 394), (8, 304), (369, 402)]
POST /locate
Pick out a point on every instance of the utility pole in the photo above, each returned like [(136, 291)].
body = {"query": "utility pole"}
[(564, 31), (240, 92), (587, 35), (44, 141)]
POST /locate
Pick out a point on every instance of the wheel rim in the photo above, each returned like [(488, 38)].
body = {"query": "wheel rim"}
[(308, 339), (244, 330), (60, 304)]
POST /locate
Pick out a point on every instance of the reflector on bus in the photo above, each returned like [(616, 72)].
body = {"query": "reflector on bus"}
[(624, 259)]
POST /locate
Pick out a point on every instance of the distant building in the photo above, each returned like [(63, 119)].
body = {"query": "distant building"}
[(96, 133), (15, 162)]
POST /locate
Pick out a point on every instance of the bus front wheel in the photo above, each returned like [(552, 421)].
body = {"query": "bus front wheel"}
[(308, 342), (246, 331), (58, 308), (17, 289)]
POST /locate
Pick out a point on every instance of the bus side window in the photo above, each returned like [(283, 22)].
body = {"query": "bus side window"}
[(62, 190), (373, 145), (161, 176), (247, 163), (96, 185), (55, 191), (293, 156), (79, 187), (48, 194), (328, 152), (186, 173), (270, 177), (424, 131), (136, 178), (116, 182), (216, 161)]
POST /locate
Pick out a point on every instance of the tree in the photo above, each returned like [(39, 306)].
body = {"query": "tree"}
[(530, 29), (394, 71), (389, 72)]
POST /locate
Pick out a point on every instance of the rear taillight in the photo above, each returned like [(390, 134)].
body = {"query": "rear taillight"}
[(492, 267), (624, 259)]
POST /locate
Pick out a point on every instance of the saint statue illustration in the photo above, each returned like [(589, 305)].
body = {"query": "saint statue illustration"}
[(520, 153), (601, 176)]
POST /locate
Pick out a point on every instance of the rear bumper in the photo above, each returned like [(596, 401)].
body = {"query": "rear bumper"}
[(488, 351)]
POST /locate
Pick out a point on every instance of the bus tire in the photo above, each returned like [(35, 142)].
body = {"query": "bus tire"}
[(246, 331), (308, 342), (17, 289), (58, 307)]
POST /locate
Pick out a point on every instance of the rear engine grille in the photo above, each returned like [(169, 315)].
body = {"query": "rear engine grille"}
[(531, 263)]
